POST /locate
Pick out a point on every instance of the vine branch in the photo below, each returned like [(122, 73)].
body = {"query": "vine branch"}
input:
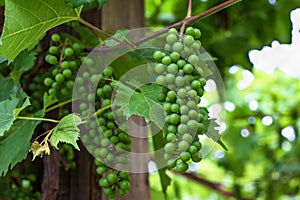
[(214, 186)]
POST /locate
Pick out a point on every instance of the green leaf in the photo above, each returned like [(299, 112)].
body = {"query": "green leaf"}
[(120, 35), (102, 2), (137, 99), (26, 22), (158, 143), (2, 2), (213, 133), (9, 110), (49, 100), (88, 4), (66, 131), (9, 87), (15, 145)]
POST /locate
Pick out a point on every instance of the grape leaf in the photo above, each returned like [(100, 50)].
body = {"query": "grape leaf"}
[(66, 131), (9, 87), (48, 100), (9, 110), (26, 22), (137, 99), (23, 62), (213, 133), (87, 3), (15, 144)]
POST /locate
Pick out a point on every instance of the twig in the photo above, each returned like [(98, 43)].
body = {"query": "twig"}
[(94, 28), (214, 186), (188, 15)]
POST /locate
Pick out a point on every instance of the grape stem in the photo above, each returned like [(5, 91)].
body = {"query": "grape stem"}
[(59, 105), (94, 28), (98, 112), (38, 119), (188, 15)]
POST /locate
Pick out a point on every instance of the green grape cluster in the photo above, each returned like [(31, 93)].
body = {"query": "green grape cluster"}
[(178, 69), (67, 154), (64, 57), (21, 188), (104, 139), (112, 181)]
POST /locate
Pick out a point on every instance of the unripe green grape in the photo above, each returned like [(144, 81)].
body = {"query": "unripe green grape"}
[(59, 78), (172, 31), (108, 71), (67, 73), (196, 46), (107, 89), (201, 128), (103, 182), (166, 60), (65, 64), (197, 144), (159, 68), (188, 51), (171, 137), (179, 81), (53, 50), (161, 80), (172, 129), (77, 47), (171, 163), (114, 139), (177, 47), (189, 78), (181, 93), (181, 63), (105, 142), (192, 149), (185, 156), (196, 84), (174, 118), (91, 97), (94, 79), (175, 108), (106, 102), (103, 152), (202, 81), (112, 177), (68, 52), (175, 56), (169, 147), (73, 64), (182, 129), (190, 31), (197, 33), (161, 97), (200, 92), (170, 78), (188, 40), (182, 167), (51, 59), (172, 68), (171, 38), (110, 157), (124, 185), (70, 84), (110, 125), (183, 145), (188, 68), (124, 175), (192, 94), (55, 37), (168, 47), (48, 81), (184, 119), (192, 124), (157, 55), (122, 192), (197, 157), (193, 59), (64, 91), (101, 170), (100, 92), (187, 137), (191, 104)]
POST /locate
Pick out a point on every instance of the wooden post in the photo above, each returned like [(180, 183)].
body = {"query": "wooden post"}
[(128, 14)]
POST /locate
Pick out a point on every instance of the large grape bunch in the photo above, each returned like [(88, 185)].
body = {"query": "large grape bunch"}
[(104, 138), (178, 69)]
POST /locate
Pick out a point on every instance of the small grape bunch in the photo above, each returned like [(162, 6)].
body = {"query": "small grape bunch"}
[(64, 57), (178, 69), (112, 181)]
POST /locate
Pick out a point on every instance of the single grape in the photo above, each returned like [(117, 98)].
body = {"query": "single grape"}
[(197, 144), (172, 68), (77, 47), (187, 137), (55, 37), (103, 182), (172, 31), (161, 80), (172, 129), (51, 59), (175, 56), (192, 149), (177, 47), (193, 59), (188, 40), (182, 167), (166, 60), (179, 81), (169, 147), (197, 33), (174, 118), (185, 156), (188, 68), (48, 81), (67, 73), (101, 170), (112, 177), (108, 71), (59, 78), (175, 108), (53, 50), (68, 52), (197, 157), (65, 64), (159, 68), (123, 174), (171, 38), (182, 129), (190, 31), (171, 137), (183, 145), (170, 78), (124, 185), (157, 55)]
